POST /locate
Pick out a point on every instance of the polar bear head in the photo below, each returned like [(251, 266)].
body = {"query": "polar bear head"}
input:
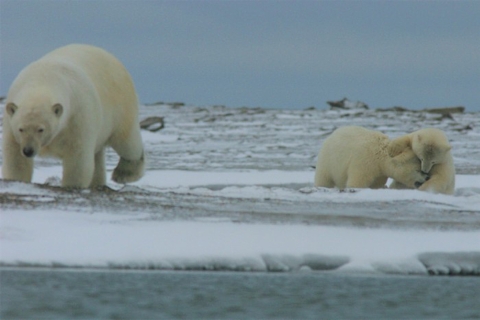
[(431, 147), (33, 125), (406, 168)]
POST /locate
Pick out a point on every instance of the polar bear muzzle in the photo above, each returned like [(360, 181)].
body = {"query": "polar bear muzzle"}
[(30, 147), (28, 152), (418, 184)]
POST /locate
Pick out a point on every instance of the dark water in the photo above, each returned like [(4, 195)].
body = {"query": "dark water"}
[(52, 294)]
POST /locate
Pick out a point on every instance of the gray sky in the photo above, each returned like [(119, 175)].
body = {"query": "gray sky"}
[(279, 54)]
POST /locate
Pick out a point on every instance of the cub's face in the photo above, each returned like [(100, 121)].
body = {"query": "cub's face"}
[(430, 153), (408, 169), (33, 128)]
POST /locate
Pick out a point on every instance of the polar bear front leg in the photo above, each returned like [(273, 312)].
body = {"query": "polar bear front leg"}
[(15, 166), (99, 174), (78, 170), (438, 183)]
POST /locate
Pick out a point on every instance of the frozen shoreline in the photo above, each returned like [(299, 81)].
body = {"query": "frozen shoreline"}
[(232, 189), (131, 239), (75, 240)]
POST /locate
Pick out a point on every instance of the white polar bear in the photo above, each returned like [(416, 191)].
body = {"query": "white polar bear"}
[(431, 146), (71, 104), (355, 157)]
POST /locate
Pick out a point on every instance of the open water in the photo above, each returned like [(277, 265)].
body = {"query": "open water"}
[(92, 294)]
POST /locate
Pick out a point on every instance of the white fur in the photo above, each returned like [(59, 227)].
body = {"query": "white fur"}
[(355, 157), (71, 104), (431, 146)]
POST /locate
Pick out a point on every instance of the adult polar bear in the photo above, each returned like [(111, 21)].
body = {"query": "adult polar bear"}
[(71, 104), (355, 157)]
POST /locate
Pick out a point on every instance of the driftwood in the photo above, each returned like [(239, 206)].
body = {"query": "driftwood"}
[(152, 124), (171, 104), (445, 112), (396, 108), (347, 104)]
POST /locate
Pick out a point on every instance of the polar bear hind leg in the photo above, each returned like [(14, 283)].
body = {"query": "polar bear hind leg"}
[(361, 180), (323, 178), (131, 166), (129, 170)]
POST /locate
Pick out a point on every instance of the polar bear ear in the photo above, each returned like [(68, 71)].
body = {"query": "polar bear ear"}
[(399, 145), (11, 108), (57, 109)]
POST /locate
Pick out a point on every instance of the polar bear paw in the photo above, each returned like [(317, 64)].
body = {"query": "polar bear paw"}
[(129, 170)]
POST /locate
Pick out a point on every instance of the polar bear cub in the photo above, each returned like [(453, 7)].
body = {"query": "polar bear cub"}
[(431, 146), (355, 157), (71, 104)]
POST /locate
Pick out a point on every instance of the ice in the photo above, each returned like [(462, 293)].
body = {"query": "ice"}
[(107, 240), (232, 189), (456, 263)]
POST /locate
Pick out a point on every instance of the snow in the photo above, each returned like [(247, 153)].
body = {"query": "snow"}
[(232, 189), (103, 240)]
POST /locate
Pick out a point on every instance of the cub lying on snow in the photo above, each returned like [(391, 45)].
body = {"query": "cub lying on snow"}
[(431, 146), (355, 157)]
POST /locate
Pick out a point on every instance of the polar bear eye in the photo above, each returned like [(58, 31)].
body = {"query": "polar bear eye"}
[(40, 130), (21, 130)]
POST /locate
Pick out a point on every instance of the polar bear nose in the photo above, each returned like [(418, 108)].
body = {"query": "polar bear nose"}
[(28, 152), (418, 184)]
